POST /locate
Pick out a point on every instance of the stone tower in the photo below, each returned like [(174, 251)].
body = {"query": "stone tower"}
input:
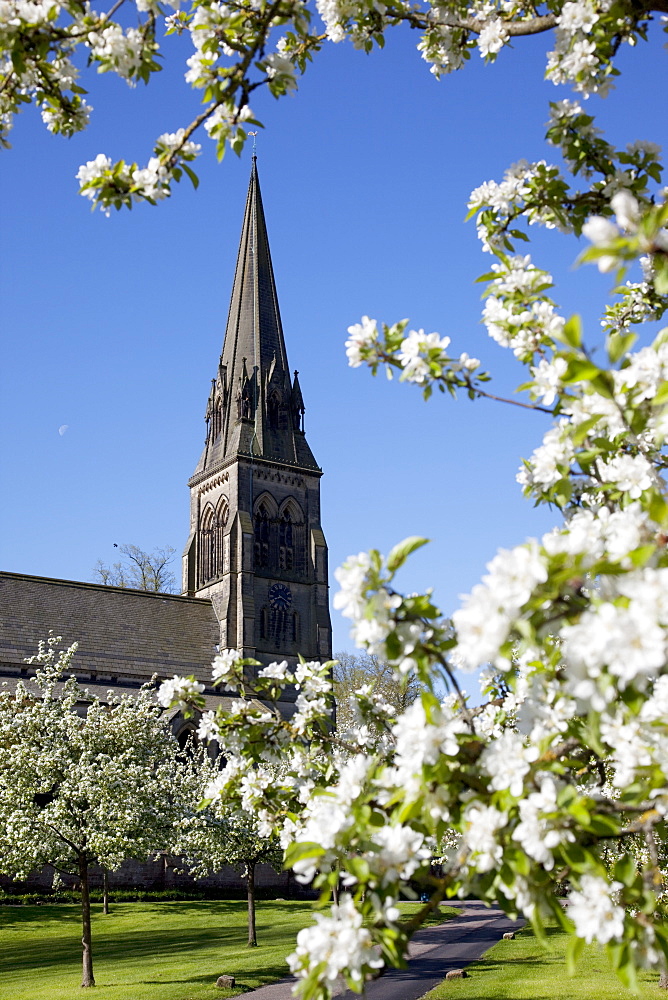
[(256, 547)]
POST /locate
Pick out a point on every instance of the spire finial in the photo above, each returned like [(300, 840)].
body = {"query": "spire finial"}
[(254, 134)]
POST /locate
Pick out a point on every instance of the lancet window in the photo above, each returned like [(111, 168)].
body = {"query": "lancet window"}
[(262, 536), (286, 552), (212, 550)]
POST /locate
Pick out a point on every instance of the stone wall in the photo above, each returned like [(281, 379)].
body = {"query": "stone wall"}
[(165, 874)]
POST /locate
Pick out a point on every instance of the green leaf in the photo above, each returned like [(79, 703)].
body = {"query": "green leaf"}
[(658, 509), (661, 279), (625, 870), (296, 852), (192, 175), (573, 952), (580, 370), (402, 550), (580, 432), (572, 331), (662, 395), (619, 344)]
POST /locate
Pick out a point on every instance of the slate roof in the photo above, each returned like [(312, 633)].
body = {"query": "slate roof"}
[(124, 636)]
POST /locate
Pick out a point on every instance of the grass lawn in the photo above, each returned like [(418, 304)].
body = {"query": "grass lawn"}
[(523, 970), (148, 951)]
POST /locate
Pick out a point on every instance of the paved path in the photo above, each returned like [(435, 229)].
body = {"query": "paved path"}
[(433, 952)]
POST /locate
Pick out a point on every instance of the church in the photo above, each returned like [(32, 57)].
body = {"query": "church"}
[(255, 561)]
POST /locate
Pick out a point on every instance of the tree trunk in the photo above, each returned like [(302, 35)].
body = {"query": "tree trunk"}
[(86, 940), (105, 892), (250, 883), (663, 976)]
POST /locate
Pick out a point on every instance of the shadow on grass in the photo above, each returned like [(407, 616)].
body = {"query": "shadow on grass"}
[(134, 946), (55, 939)]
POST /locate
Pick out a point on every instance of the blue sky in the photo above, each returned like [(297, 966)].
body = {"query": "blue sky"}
[(113, 326)]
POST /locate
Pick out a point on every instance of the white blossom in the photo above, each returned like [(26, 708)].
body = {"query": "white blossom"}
[(416, 351), (631, 473), (225, 667), (493, 36), (594, 912), (507, 760), (178, 691), (481, 826), (339, 942), (363, 339)]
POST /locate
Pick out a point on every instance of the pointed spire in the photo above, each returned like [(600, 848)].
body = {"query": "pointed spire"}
[(258, 417)]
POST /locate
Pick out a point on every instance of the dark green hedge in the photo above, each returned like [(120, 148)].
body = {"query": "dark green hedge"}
[(133, 895)]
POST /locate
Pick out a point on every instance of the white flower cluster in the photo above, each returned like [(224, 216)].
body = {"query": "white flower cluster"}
[(420, 741), (631, 473), (328, 815), (171, 141), (482, 825), (15, 15), (399, 852), (601, 231), (178, 691), (92, 170), (441, 47), (152, 180), (551, 461), (117, 50), (416, 352), (340, 943), (624, 636), (493, 36), (484, 620), (223, 121), (334, 14), (225, 668), (592, 535), (206, 33), (546, 379), (281, 70), (536, 832), (371, 610), (575, 59), (507, 760), (312, 679), (362, 345), (516, 313), (593, 910)]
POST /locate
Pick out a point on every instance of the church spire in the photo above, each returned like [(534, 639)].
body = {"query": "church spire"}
[(260, 412), (256, 547)]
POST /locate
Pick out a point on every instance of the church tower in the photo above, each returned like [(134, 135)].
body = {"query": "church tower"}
[(256, 547)]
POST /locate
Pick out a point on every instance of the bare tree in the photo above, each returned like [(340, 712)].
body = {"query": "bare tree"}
[(353, 670), (139, 570)]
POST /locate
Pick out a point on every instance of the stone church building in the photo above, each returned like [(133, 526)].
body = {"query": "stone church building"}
[(255, 561)]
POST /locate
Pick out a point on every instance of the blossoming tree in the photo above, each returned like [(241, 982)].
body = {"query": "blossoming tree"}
[(217, 833), (82, 782), (567, 754), (566, 757)]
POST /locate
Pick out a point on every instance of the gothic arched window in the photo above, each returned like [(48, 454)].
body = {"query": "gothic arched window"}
[(286, 552), (221, 521), (262, 533), (211, 548), (207, 545)]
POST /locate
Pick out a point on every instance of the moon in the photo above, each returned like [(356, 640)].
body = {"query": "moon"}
[(63, 428)]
